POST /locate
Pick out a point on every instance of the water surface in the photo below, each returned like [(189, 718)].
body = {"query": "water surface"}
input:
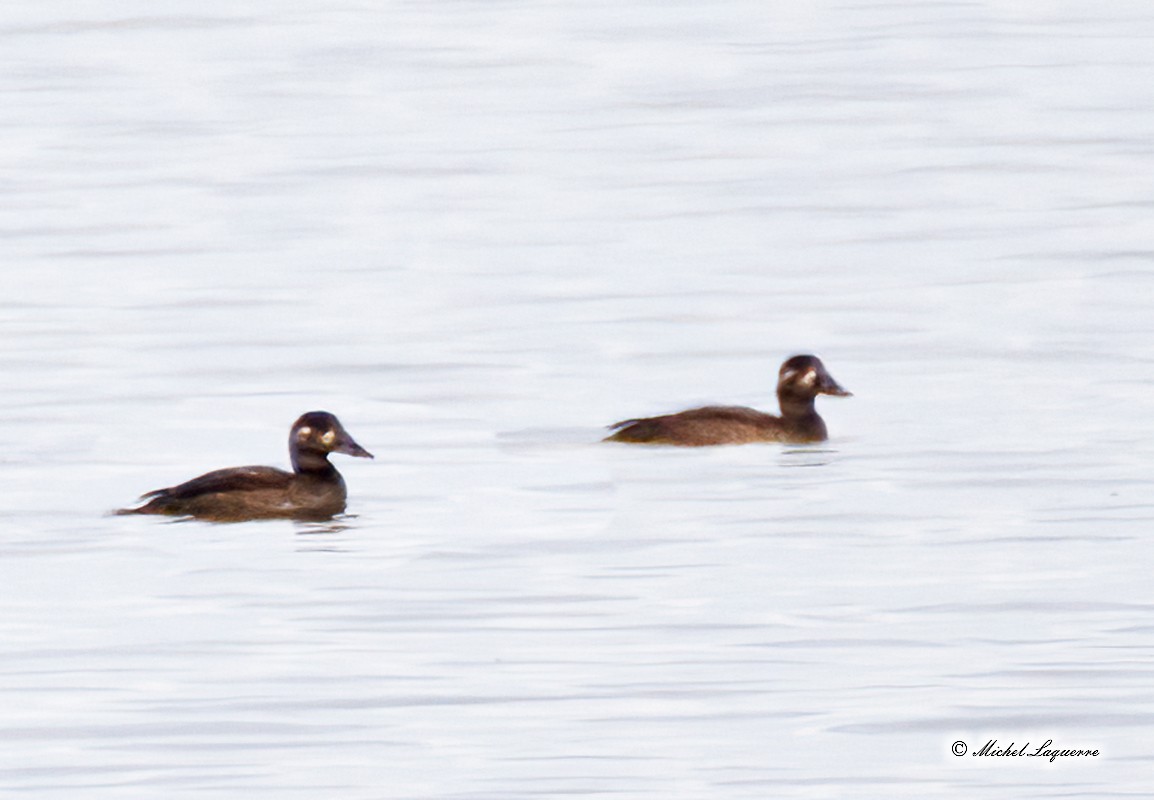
[(480, 232)]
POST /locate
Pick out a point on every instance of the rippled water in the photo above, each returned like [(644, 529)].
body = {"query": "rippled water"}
[(478, 232)]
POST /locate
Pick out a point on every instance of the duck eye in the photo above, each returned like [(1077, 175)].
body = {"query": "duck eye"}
[(304, 433), (809, 378), (329, 437)]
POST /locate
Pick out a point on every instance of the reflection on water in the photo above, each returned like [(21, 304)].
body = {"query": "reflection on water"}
[(478, 233), (813, 456)]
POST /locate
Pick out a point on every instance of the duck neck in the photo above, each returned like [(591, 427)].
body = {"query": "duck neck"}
[(794, 407), (309, 463)]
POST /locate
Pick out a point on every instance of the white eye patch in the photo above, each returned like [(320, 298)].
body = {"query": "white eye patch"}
[(809, 378), (788, 374), (329, 437), (304, 432)]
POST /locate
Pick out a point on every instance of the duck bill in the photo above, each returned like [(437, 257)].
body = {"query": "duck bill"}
[(351, 448), (831, 387)]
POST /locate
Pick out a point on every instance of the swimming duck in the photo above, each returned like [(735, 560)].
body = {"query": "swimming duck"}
[(801, 379), (314, 490)]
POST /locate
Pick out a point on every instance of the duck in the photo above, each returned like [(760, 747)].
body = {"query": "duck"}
[(800, 380), (314, 490)]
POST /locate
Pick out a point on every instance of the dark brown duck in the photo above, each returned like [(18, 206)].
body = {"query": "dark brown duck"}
[(800, 381), (314, 490)]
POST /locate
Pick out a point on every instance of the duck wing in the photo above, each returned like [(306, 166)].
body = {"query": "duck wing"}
[(700, 426), (232, 479)]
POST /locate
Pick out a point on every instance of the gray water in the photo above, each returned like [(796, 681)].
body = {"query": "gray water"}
[(480, 231)]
